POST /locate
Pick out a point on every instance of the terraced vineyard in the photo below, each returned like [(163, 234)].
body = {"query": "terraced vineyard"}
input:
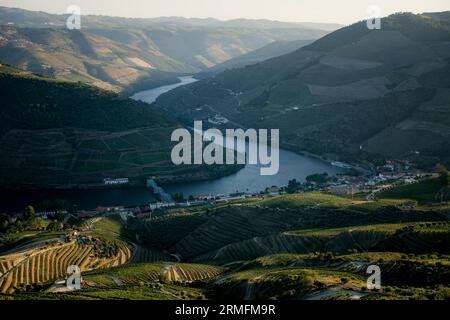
[(44, 262), (284, 243), (227, 227), (146, 255), (190, 272), (147, 274), (239, 232), (245, 250), (39, 266)]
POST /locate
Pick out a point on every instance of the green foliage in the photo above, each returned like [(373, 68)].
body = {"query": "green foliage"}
[(67, 104), (29, 213), (292, 186), (318, 178), (306, 200), (55, 226)]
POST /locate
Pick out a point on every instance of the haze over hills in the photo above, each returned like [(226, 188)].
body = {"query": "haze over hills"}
[(129, 54), (26, 18), (354, 94)]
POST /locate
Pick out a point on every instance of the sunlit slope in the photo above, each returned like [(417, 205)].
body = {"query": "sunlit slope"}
[(42, 265), (131, 54)]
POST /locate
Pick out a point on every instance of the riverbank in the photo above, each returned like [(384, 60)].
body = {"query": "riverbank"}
[(190, 181)]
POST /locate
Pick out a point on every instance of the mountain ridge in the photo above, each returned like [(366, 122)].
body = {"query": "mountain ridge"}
[(127, 55), (317, 95)]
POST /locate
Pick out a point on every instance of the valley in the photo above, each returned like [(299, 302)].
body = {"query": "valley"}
[(75, 136), (357, 206), (354, 95), (129, 55)]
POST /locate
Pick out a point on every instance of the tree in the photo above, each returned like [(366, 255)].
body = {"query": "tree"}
[(36, 224), (4, 221), (60, 216), (55, 226), (29, 212), (293, 186), (444, 178)]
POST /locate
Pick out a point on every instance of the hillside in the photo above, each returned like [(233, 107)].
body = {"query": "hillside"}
[(308, 246), (274, 49), (130, 54), (353, 95), (61, 134)]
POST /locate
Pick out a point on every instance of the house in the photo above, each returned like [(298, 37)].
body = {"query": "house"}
[(118, 181), (159, 205), (205, 197), (110, 209)]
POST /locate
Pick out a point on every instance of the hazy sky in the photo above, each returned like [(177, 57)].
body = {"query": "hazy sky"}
[(340, 11)]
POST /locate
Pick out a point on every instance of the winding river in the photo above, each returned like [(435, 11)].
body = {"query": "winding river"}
[(248, 179)]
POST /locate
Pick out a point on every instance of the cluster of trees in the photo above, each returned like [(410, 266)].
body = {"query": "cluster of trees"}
[(29, 222), (318, 178)]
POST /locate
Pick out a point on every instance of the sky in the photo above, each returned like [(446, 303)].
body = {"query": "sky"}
[(334, 11)]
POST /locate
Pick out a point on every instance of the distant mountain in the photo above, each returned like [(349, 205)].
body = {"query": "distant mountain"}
[(271, 24), (354, 94), (443, 16), (25, 18), (129, 54), (60, 134), (274, 49)]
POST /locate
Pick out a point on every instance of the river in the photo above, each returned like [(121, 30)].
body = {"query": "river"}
[(248, 179), (151, 95)]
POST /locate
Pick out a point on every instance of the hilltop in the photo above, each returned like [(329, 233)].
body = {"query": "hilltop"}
[(355, 94)]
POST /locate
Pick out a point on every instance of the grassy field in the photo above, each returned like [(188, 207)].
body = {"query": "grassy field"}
[(108, 228), (310, 199)]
